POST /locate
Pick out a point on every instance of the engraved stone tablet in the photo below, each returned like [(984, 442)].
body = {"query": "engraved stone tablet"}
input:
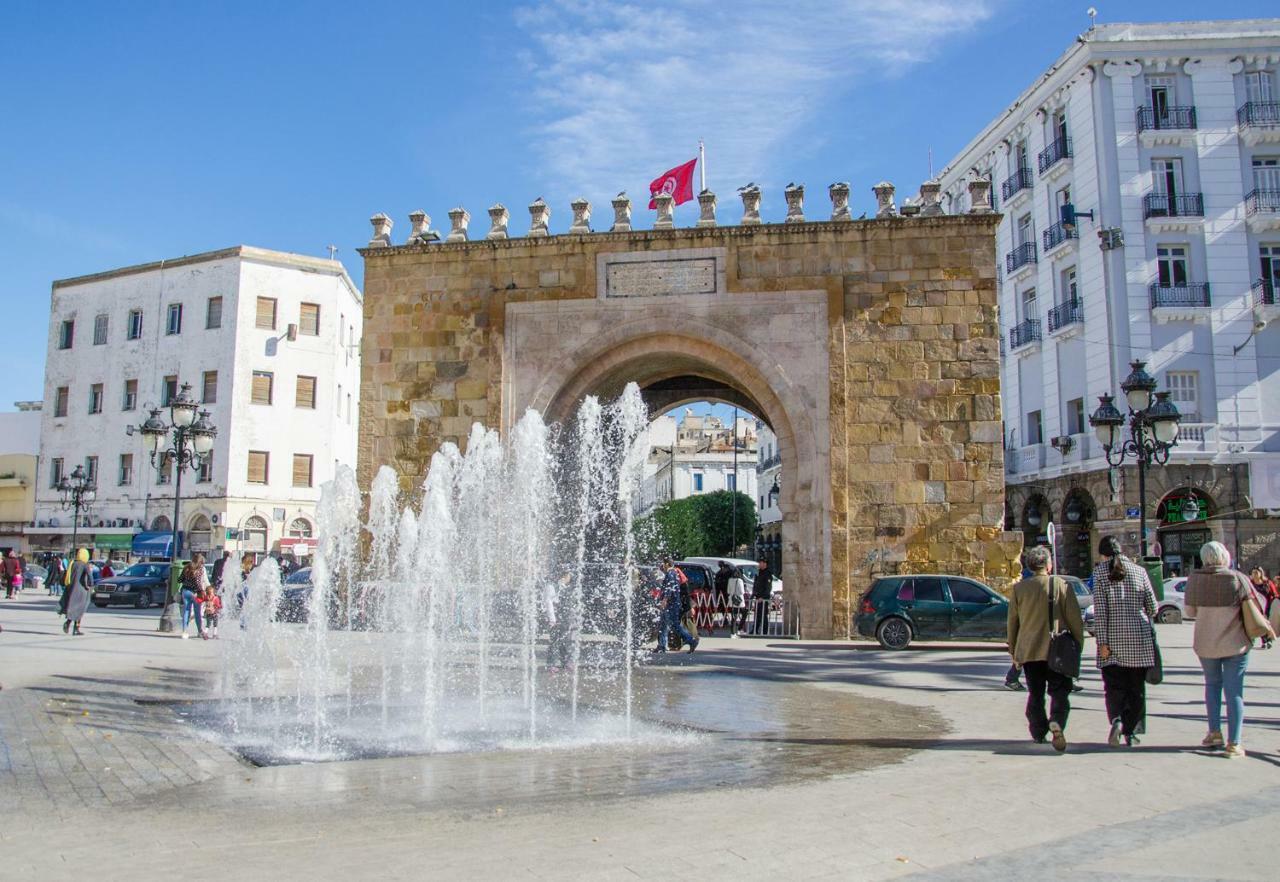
[(656, 278)]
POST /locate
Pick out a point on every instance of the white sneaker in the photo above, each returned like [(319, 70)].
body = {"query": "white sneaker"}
[(1233, 751), (185, 635)]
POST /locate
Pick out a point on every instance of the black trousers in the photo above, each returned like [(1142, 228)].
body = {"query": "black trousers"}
[(1041, 679), (762, 615), (1126, 695)]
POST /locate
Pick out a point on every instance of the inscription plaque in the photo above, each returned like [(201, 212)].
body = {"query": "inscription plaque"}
[(657, 278)]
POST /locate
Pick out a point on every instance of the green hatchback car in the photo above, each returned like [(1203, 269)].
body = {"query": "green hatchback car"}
[(899, 609)]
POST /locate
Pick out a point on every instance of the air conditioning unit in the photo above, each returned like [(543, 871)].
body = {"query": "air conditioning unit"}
[(214, 519)]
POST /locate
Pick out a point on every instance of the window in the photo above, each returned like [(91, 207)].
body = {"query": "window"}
[(342, 321), (255, 534), (266, 313), (1035, 428), (164, 472), (204, 474), (1020, 157), (199, 533), (161, 524), (95, 398), (91, 469), (1166, 177), (100, 330), (1160, 93), (1060, 127), (67, 334), (1171, 264), (1266, 173), (60, 401), (731, 482), (302, 470), (213, 313), (169, 391), (1184, 392), (1075, 416), (56, 470), (927, 588), (348, 408), (209, 393), (262, 381), (130, 395), (305, 394), (1269, 255), (126, 469), (259, 462), (135, 324), (1068, 293), (338, 401), (697, 482), (309, 319), (300, 528), (174, 324), (1025, 231), (1028, 303), (1257, 87), (967, 592)]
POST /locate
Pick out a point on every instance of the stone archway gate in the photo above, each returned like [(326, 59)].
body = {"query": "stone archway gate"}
[(871, 347)]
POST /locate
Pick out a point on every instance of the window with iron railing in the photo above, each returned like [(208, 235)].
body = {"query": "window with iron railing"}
[(1020, 256), (1178, 295), (1058, 150), (1262, 202), (1264, 293), (1172, 205), (1259, 114), (1166, 118), (1018, 181), (1024, 333), (1057, 234), (1064, 314)]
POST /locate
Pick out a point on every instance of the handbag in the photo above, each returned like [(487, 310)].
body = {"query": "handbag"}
[(1255, 623), (1064, 650), (1155, 673)]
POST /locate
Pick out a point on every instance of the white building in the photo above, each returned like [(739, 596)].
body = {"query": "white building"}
[(697, 456), (19, 451), (268, 342), (1169, 134), (769, 491)]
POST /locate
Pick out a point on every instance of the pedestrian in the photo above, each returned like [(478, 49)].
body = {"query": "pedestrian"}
[(107, 570), (762, 596), (218, 566), (212, 607), (79, 585), (737, 589), (12, 573), (1216, 595), (720, 593), (1124, 605), (57, 569), (672, 609), (1266, 588), (555, 602), (192, 581), (1013, 676), (1041, 605)]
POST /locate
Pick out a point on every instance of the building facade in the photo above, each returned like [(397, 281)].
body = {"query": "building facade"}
[(19, 452), (1168, 135), (268, 342), (695, 456), (768, 490)]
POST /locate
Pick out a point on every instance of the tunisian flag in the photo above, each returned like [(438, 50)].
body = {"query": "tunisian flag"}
[(678, 182)]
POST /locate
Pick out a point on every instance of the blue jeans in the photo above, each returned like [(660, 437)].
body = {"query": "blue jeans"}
[(1228, 674), (191, 608), (670, 620)]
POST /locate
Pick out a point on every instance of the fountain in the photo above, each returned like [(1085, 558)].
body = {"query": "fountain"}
[(424, 625)]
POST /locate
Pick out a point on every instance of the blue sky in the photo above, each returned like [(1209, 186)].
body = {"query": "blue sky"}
[(135, 131)]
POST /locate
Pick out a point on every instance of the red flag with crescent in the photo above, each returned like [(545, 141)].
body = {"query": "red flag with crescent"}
[(678, 182)]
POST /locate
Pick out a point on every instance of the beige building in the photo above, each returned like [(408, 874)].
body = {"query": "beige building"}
[(19, 451), (870, 348)]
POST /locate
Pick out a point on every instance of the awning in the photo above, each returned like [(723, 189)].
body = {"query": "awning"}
[(154, 544), (114, 543), (299, 545)]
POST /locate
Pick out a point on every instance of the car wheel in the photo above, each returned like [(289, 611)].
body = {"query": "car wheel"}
[(144, 600), (99, 605), (894, 633), (1170, 615)]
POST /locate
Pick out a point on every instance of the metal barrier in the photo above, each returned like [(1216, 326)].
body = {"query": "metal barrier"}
[(711, 613)]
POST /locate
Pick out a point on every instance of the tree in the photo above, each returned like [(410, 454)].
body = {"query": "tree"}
[(698, 526)]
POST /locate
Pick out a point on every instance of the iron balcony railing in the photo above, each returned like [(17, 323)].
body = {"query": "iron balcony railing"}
[(1020, 256), (1168, 118), (1057, 234), (1027, 331), (1179, 295), (1018, 181), (1069, 313), (769, 463), (1262, 202), (1263, 114), (1165, 205), (1057, 151), (1264, 293)]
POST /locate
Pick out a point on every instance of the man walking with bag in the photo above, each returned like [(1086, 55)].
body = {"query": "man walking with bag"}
[(1040, 608)]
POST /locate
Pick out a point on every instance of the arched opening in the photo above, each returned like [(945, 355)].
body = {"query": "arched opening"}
[(1075, 552), (254, 535), (1182, 519), (161, 524), (299, 528), (1036, 516), (199, 535)]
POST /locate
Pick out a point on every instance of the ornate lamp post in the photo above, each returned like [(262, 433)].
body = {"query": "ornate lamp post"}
[(78, 493), (1153, 431), (186, 441)]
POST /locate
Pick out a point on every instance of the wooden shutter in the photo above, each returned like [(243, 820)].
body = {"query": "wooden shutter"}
[(258, 463), (266, 313), (210, 390), (302, 470), (213, 315), (261, 387), (306, 394), (309, 319)]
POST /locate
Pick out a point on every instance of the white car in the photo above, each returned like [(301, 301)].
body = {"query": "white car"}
[(1170, 610), (749, 569)]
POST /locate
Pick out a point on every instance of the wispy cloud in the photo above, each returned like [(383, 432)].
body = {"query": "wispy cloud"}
[(624, 90)]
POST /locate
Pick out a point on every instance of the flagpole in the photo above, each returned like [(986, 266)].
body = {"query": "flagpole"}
[(702, 166)]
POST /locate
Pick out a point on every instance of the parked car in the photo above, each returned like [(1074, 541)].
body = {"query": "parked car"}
[(1172, 607), (899, 609), (33, 577), (295, 596), (749, 569), (141, 585), (1084, 596)]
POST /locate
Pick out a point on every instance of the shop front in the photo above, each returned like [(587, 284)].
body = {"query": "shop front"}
[(1183, 518)]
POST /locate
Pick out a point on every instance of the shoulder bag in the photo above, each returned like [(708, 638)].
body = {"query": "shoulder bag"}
[(1064, 650), (1255, 623), (1155, 673)]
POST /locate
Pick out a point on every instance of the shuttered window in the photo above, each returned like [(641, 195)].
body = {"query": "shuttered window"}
[(259, 463), (306, 394), (302, 470), (213, 313), (210, 390), (262, 387), (266, 313), (100, 330), (309, 319)]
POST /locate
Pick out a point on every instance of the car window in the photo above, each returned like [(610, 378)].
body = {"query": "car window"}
[(299, 577), (967, 592), (908, 590), (928, 588), (697, 578)]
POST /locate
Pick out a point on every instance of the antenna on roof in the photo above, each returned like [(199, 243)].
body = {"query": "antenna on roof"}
[(332, 249), (1093, 16)]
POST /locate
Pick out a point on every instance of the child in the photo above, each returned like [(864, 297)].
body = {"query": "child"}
[(212, 606)]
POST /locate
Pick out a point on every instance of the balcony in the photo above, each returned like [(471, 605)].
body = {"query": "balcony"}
[(1024, 334), (1058, 234), (1170, 125), (1179, 302), (1065, 315), (1264, 293), (1262, 210), (1018, 182), (1259, 122), (1023, 255), (1051, 155), (1182, 211)]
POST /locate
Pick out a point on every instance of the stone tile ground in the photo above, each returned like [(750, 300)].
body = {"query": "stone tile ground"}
[(94, 784)]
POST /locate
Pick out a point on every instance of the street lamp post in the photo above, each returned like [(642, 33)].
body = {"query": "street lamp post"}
[(1153, 431), (186, 441), (78, 493)]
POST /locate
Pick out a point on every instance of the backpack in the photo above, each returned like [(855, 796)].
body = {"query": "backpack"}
[(684, 580)]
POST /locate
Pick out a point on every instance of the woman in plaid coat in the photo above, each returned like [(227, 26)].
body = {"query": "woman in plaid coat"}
[(1124, 606)]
